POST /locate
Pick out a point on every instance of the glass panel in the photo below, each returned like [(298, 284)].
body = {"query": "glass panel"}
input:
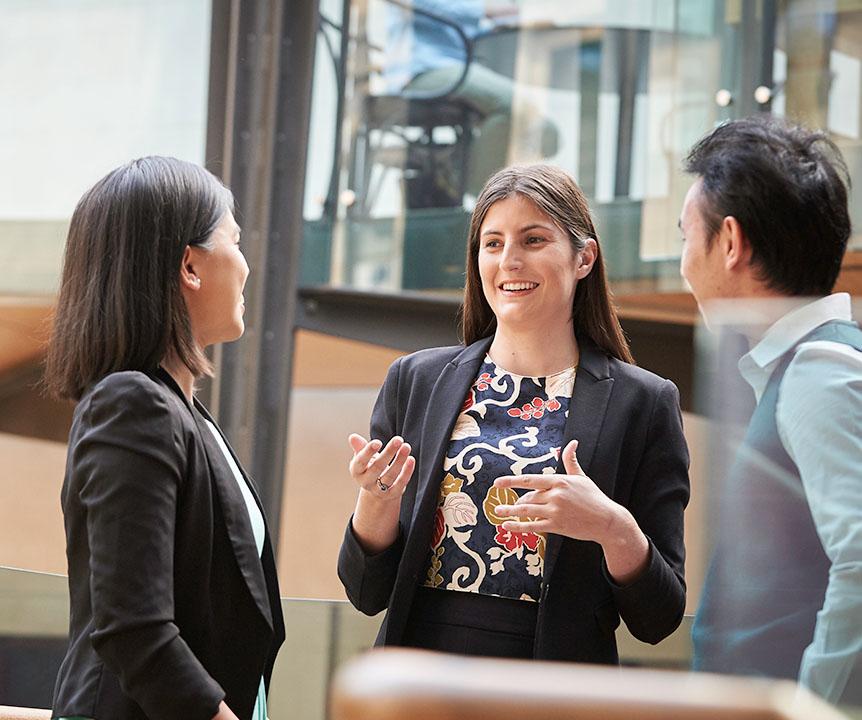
[(86, 85), (766, 534), (817, 78), (321, 635), (434, 96)]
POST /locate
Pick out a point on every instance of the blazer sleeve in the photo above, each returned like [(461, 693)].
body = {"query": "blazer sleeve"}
[(369, 579), (130, 461), (653, 605)]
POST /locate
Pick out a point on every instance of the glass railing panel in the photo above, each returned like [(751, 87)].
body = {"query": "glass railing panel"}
[(321, 635)]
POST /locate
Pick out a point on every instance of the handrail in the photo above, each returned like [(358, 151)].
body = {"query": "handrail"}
[(7, 712), (422, 685)]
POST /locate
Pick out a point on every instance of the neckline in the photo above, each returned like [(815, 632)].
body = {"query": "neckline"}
[(572, 369)]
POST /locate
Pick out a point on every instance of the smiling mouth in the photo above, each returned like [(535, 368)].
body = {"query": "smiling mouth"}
[(518, 287)]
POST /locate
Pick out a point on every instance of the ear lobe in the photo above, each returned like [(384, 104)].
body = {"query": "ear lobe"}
[(188, 279), (737, 249)]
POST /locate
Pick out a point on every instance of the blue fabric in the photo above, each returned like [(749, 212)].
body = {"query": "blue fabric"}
[(417, 43)]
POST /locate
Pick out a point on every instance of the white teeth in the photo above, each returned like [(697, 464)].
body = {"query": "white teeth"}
[(519, 285)]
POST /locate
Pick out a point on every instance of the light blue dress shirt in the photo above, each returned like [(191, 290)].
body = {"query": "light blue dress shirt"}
[(819, 421)]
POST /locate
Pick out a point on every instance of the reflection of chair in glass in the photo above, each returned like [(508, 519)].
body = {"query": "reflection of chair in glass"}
[(423, 132)]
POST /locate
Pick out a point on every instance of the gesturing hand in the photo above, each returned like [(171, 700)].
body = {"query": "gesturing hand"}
[(383, 473), (569, 504)]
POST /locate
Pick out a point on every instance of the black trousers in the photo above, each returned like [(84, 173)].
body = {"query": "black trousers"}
[(467, 623)]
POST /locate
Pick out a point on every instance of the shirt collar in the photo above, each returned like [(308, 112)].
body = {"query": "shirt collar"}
[(756, 366)]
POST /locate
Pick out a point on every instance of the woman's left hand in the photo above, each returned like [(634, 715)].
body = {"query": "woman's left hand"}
[(572, 505)]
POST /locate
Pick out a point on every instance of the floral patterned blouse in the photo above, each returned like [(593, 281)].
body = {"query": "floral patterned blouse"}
[(508, 425)]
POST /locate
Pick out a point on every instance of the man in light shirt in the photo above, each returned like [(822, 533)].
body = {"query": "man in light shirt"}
[(766, 223)]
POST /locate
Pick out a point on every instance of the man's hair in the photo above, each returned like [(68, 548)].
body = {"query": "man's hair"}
[(120, 306), (787, 187)]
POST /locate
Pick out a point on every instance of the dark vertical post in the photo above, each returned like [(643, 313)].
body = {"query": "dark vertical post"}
[(267, 107)]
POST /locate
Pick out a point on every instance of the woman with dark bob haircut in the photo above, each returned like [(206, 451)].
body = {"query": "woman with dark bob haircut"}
[(175, 613), (551, 473)]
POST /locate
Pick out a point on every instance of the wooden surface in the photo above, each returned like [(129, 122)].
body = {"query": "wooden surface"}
[(16, 713), (24, 329), (394, 684)]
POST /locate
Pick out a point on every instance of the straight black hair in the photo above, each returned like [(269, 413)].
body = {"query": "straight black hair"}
[(120, 306), (787, 187)]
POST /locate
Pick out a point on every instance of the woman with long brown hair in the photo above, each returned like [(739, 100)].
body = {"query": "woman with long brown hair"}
[(551, 473), (174, 605)]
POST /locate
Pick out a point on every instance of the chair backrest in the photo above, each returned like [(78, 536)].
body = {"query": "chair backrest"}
[(391, 684), (19, 713)]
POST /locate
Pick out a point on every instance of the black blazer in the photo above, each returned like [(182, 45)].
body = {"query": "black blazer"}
[(629, 428), (172, 608)]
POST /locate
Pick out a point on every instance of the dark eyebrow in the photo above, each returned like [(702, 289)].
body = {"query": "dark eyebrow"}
[(679, 223), (524, 229)]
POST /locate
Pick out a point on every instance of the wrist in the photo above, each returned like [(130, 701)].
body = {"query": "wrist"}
[(619, 529), (626, 548)]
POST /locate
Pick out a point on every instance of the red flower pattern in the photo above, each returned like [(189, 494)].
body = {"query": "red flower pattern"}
[(513, 540), (469, 401), (535, 409), (482, 381), (439, 528)]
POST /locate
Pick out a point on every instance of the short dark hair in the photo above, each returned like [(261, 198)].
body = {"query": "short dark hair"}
[(556, 194), (787, 187), (120, 306)]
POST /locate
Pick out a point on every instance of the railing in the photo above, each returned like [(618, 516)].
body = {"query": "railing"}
[(397, 683), (321, 636)]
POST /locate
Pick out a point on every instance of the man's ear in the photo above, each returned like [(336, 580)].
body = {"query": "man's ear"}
[(188, 278), (734, 244)]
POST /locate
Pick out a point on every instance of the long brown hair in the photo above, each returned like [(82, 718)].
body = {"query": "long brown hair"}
[(120, 306), (556, 194)]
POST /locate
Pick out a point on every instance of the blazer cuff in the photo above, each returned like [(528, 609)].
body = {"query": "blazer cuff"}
[(356, 553), (642, 581)]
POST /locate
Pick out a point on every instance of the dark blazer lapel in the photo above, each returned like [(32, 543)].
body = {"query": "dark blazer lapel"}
[(235, 513), (587, 411), (444, 406)]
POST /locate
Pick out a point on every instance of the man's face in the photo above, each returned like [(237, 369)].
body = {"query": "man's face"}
[(700, 263)]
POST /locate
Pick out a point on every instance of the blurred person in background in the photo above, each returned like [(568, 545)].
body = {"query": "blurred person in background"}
[(543, 398), (174, 603), (766, 223)]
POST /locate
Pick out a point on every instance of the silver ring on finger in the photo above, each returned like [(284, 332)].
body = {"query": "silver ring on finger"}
[(382, 485)]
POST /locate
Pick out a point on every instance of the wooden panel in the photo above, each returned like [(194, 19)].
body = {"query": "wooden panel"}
[(326, 360), (24, 330)]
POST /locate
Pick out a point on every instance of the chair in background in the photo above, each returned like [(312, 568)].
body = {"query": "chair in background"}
[(423, 134)]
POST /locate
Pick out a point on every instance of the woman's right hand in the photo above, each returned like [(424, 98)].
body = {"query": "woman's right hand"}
[(224, 712), (381, 473)]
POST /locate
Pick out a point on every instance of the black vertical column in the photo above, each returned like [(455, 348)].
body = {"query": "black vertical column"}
[(266, 104)]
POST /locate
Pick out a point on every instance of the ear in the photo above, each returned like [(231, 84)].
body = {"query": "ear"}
[(736, 249), (586, 258), (188, 278)]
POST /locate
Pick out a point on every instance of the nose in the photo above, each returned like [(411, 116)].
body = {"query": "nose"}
[(246, 270), (511, 258)]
